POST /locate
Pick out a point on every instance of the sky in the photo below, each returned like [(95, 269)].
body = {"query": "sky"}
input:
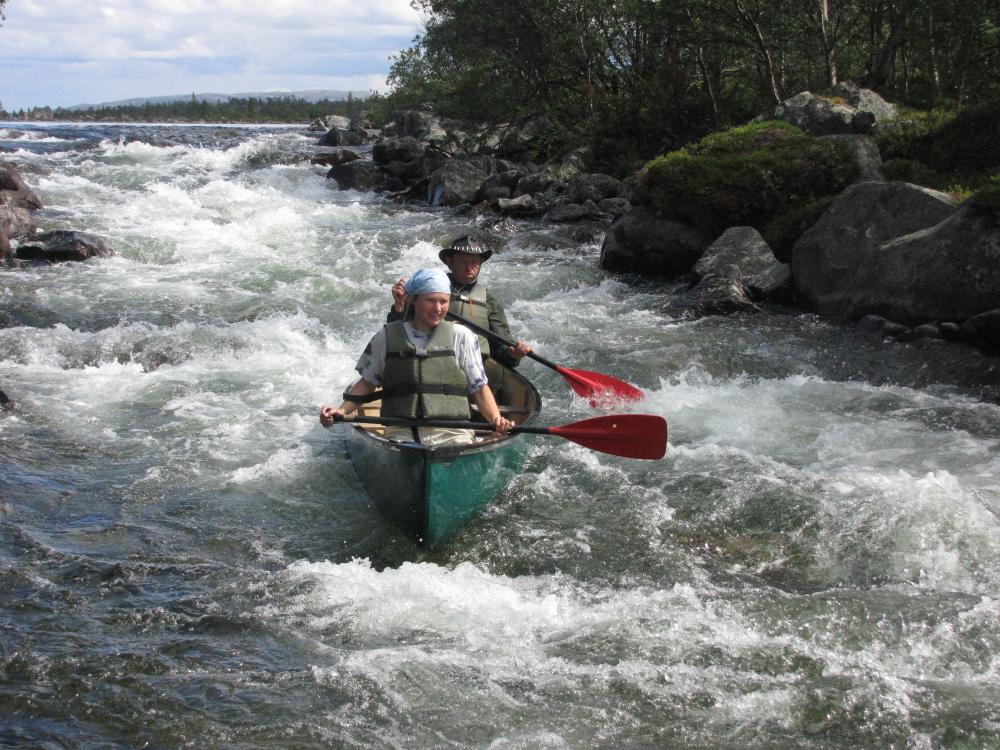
[(68, 52)]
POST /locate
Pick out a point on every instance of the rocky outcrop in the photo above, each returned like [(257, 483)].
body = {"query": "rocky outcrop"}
[(844, 109), (834, 261), (455, 183), (720, 293)]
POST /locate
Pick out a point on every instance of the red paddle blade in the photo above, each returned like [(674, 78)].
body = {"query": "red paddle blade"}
[(628, 435), (597, 385)]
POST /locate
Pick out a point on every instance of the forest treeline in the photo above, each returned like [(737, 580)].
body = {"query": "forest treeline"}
[(249, 109), (645, 76)]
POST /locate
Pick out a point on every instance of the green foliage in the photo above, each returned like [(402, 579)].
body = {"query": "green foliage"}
[(989, 196), (751, 175)]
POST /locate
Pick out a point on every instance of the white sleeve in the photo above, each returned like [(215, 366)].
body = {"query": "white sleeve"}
[(371, 363), (470, 357)]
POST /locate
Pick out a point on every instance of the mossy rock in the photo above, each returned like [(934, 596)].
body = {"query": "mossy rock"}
[(746, 176), (988, 197)]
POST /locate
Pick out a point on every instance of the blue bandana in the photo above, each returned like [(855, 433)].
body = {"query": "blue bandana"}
[(428, 281)]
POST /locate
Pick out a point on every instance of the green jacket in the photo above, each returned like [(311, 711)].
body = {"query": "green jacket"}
[(495, 314)]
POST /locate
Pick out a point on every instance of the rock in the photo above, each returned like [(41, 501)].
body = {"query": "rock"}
[(865, 100), (592, 187), (714, 294), (455, 183), (642, 241), (331, 121), (950, 271), (342, 137), (983, 330), (336, 157), (846, 109), (614, 207), (402, 149), (832, 261), (64, 245), (537, 182), (420, 125), (17, 223), (358, 175), (568, 212), (14, 192), (5, 402), (523, 205), (761, 273)]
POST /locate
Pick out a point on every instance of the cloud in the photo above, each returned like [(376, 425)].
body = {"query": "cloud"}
[(63, 52)]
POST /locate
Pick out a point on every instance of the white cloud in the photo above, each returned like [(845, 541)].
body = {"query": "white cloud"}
[(63, 52)]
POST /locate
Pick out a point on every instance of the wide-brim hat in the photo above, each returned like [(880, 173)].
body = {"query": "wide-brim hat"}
[(467, 244)]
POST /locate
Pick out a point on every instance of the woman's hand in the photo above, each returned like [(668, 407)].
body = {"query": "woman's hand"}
[(501, 425), (328, 415)]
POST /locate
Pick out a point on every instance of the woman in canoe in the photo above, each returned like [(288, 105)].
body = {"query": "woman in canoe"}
[(427, 367)]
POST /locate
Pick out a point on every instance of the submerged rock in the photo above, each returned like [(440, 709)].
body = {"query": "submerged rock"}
[(64, 245)]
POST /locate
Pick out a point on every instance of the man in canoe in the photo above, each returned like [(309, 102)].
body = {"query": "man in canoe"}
[(471, 300), (427, 368)]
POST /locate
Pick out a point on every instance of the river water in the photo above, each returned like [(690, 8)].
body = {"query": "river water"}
[(189, 560)]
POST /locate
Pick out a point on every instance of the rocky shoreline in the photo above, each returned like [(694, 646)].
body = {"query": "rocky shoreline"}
[(900, 261)]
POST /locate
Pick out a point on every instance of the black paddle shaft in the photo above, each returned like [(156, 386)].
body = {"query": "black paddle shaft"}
[(456, 425), (502, 339)]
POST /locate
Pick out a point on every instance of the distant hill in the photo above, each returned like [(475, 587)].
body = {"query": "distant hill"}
[(312, 95)]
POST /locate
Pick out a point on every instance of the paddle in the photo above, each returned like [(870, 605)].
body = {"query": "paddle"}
[(591, 385), (628, 435)]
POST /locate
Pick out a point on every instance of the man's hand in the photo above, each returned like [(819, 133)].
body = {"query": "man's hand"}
[(519, 350), (399, 295)]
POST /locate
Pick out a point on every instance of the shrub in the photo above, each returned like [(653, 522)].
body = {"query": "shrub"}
[(747, 176)]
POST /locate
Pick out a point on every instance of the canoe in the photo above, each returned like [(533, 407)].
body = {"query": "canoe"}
[(431, 492)]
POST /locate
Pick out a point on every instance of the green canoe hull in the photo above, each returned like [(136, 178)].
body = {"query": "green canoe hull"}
[(430, 493)]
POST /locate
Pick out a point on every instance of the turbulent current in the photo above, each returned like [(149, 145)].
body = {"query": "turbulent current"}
[(188, 559)]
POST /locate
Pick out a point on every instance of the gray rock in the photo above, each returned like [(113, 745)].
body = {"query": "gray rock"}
[(568, 212), (714, 294), (762, 274), (832, 261), (456, 182), (523, 205), (335, 157), (14, 191), (64, 245), (358, 175), (403, 149), (643, 241), (592, 187)]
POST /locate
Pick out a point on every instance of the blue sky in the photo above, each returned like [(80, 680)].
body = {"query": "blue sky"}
[(66, 52)]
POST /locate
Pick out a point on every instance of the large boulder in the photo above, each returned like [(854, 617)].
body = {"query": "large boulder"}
[(455, 183), (64, 245), (358, 175), (834, 257), (643, 241), (950, 272), (744, 249), (342, 137), (403, 149)]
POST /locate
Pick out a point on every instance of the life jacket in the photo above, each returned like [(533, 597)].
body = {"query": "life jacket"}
[(471, 305), (418, 383)]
